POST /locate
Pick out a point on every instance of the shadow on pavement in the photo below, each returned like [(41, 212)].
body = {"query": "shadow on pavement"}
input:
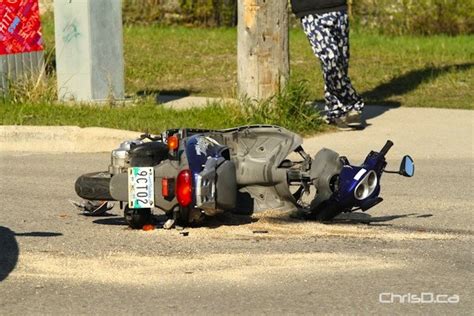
[(38, 234), (372, 111), (120, 221), (364, 218), (164, 96), (101, 215), (401, 85), (228, 219), (9, 250), (114, 221), (410, 81), (225, 219)]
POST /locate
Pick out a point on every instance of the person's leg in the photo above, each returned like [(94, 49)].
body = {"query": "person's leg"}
[(351, 98), (330, 45), (319, 29)]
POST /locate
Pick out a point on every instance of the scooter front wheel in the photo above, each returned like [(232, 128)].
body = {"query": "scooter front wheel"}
[(325, 212)]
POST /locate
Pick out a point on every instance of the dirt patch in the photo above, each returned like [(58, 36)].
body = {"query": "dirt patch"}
[(125, 269), (277, 224)]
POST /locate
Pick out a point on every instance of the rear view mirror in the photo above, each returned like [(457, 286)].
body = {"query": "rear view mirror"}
[(407, 167)]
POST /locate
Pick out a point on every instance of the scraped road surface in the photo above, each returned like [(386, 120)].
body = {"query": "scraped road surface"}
[(419, 240)]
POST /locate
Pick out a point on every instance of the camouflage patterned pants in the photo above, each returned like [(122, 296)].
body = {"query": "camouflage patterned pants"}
[(328, 34)]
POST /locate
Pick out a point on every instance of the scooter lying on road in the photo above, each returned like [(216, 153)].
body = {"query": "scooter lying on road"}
[(190, 174)]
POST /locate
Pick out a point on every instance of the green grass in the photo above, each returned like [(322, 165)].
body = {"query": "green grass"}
[(144, 117), (199, 61), (288, 109), (435, 71), (416, 71)]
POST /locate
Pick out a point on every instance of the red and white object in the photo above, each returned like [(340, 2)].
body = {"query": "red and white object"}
[(20, 27)]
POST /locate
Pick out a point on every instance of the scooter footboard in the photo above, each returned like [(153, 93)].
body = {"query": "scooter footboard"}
[(216, 187)]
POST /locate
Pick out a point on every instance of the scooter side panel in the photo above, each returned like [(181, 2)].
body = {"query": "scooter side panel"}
[(258, 151)]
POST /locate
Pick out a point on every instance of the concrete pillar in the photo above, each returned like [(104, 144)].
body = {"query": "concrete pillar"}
[(89, 50)]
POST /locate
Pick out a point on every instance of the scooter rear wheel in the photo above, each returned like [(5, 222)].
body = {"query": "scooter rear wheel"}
[(94, 186)]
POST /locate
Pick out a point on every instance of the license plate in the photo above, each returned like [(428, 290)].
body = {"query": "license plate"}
[(141, 187)]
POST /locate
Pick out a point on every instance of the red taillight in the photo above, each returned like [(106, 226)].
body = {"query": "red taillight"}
[(164, 187), (184, 188)]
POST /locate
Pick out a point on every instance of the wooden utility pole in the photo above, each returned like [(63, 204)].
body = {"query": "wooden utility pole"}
[(262, 52)]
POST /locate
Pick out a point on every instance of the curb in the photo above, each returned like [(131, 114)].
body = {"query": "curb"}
[(62, 139), (422, 132)]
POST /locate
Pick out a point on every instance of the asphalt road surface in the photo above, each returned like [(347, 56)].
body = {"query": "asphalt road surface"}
[(417, 243)]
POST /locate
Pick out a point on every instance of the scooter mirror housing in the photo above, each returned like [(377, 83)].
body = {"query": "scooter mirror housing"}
[(407, 167)]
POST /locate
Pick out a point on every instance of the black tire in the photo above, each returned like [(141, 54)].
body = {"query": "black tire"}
[(137, 218), (94, 186)]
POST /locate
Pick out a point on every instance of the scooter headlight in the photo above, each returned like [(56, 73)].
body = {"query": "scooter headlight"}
[(361, 191), (372, 180), (366, 186)]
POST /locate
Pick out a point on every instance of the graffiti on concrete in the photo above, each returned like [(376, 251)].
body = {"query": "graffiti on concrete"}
[(20, 27), (71, 32)]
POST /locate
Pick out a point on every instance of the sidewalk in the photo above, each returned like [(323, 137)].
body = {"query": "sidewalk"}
[(186, 102), (421, 132)]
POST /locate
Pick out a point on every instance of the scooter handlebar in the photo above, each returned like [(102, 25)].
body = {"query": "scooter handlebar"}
[(386, 148)]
